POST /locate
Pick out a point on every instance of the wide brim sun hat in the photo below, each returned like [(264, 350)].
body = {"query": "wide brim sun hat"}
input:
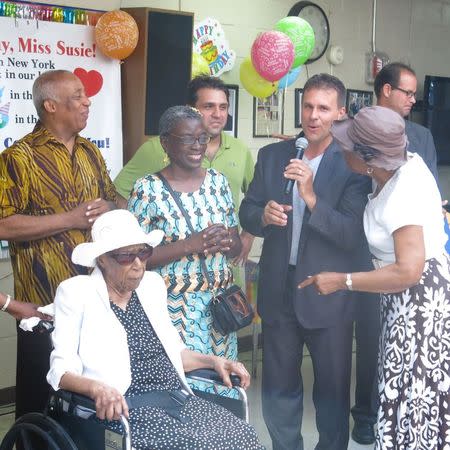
[(377, 127), (112, 230)]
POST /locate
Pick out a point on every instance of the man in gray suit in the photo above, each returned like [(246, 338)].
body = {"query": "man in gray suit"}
[(395, 88), (318, 226)]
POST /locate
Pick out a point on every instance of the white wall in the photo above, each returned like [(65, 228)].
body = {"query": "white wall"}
[(416, 32), (413, 31)]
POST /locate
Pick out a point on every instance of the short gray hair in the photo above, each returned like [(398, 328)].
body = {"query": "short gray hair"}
[(44, 88), (172, 116)]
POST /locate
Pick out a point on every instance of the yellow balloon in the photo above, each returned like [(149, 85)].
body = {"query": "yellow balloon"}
[(199, 65), (253, 82)]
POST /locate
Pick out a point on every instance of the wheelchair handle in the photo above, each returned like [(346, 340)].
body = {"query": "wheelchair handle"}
[(212, 375), (44, 327)]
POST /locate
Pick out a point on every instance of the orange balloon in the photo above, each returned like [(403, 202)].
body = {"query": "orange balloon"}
[(116, 34)]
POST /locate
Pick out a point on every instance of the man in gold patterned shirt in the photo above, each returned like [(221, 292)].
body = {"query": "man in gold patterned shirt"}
[(53, 185)]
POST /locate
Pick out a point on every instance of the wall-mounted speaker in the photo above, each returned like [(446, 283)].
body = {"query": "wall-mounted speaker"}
[(156, 74)]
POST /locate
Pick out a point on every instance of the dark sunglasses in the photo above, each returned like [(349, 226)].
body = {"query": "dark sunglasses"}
[(125, 259)]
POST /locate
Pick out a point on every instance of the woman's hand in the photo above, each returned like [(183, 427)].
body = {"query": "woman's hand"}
[(215, 238), (325, 282), (109, 402), (224, 367)]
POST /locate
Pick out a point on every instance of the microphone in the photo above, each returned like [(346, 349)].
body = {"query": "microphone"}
[(300, 145)]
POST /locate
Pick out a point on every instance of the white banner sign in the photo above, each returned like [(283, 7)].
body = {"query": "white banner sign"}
[(28, 48)]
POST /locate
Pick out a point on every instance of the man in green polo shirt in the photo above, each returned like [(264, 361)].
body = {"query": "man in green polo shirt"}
[(224, 153)]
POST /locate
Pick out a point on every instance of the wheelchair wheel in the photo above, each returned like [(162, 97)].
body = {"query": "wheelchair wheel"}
[(34, 426)]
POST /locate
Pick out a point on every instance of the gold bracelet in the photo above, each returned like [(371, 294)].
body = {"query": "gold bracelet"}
[(8, 301)]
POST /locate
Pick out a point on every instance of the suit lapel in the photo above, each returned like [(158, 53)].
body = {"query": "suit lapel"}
[(100, 286), (325, 170), (322, 179), (147, 306), (112, 320), (288, 198)]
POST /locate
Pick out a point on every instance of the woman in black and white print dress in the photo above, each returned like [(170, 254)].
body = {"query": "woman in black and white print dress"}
[(404, 227)]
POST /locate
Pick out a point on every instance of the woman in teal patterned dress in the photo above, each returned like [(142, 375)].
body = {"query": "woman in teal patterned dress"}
[(206, 197)]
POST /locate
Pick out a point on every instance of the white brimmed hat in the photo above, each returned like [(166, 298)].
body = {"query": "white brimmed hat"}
[(112, 230)]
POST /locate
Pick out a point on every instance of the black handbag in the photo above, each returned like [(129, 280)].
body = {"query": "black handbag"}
[(230, 309)]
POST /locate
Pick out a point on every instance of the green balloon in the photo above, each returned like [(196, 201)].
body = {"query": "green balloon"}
[(253, 82), (301, 34)]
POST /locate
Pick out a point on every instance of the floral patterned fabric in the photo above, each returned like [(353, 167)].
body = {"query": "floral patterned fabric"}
[(414, 365)]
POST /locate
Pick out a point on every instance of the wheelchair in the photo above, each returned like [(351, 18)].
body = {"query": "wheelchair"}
[(64, 425)]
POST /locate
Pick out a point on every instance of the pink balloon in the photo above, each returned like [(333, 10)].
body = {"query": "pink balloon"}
[(272, 55)]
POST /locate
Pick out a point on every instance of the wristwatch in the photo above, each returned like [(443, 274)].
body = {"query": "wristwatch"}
[(348, 282)]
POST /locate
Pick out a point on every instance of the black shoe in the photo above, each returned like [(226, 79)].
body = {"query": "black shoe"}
[(363, 433)]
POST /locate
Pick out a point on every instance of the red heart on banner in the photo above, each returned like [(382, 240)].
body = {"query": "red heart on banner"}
[(92, 80)]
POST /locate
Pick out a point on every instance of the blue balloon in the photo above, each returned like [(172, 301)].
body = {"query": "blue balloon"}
[(289, 78)]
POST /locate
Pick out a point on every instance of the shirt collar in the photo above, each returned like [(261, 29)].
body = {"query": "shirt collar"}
[(40, 135), (225, 141)]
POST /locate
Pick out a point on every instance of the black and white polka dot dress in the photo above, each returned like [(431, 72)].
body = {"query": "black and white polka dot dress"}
[(209, 426)]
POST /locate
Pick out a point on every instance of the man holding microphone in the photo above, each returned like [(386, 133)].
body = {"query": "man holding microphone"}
[(316, 225)]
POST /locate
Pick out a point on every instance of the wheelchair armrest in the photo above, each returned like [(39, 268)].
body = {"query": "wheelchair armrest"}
[(64, 402), (74, 399), (212, 375)]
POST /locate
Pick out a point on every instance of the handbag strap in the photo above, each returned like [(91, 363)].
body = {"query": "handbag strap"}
[(177, 200)]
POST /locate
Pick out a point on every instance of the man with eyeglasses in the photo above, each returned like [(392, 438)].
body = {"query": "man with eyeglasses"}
[(395, 88), (225, 153), (53, 186)]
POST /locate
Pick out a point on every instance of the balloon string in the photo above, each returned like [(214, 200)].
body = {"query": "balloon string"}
[(282, 109), (266, 106)]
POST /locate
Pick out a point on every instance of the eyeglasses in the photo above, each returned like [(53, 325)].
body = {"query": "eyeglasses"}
[(191, 140), (409, 94), (125, 259)]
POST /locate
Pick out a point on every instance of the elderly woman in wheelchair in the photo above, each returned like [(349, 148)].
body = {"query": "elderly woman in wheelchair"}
[(114, 342)]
